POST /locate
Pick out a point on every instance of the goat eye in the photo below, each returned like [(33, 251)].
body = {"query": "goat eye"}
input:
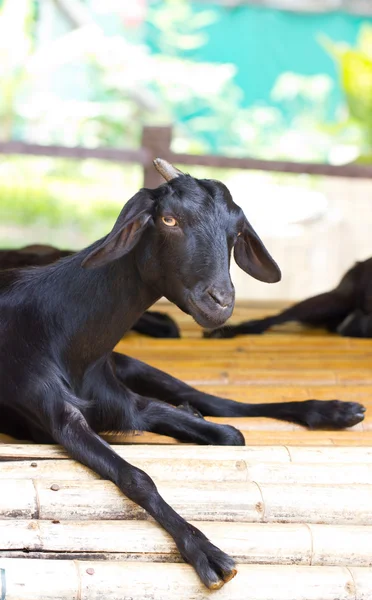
[(169, 221)]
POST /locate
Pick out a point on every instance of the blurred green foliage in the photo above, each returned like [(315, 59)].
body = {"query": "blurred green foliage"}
[(355, 72), (127, 86)]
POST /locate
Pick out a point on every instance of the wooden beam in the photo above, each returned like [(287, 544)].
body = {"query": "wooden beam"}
[(111, 154), (280, 166), (156, 142)]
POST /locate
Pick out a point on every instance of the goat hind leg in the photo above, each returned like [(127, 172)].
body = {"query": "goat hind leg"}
[(315, 414), (325, 310), (151, 382), (357, 324)]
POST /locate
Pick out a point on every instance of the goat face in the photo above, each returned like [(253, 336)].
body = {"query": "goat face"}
[(182, 235)]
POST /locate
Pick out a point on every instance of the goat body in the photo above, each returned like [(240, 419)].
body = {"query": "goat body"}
[(60, 380)]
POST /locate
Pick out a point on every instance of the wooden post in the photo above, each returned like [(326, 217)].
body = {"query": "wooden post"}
[(156, 141)]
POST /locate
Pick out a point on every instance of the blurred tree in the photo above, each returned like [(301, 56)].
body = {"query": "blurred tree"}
[(355, 72), (16, 43)]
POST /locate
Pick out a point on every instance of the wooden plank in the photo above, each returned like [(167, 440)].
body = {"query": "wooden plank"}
[(20, 501), (251, 347), (193, 469), (255, 543), (240, 376), (200, 470), (253, 438), (39, 580), (184, 451), (211, 501), (252, 360), (255, 394), (250, 343), (263, 438), (250, 454), (90, 580)]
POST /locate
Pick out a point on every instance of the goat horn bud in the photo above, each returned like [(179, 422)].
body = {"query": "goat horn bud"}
[(165, 169)]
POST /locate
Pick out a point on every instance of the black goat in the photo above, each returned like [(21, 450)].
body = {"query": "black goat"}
[(60, 381), (151, 323), (346, 310)]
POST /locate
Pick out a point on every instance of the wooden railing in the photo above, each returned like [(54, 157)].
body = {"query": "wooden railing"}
[(156, 141)]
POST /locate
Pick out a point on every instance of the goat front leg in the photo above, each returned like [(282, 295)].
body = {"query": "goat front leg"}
[(315, 414), (159, 417), (69, 428), (118, 407), (326, 310)]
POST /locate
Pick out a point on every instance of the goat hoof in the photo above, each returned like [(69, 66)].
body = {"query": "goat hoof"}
[(229, 436), (333, 414), (214, 567)]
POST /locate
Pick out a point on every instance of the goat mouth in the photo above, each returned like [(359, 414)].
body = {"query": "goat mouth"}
[(206, 317)]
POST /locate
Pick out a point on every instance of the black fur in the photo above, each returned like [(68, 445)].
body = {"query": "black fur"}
[(154, 324), (61, 382)]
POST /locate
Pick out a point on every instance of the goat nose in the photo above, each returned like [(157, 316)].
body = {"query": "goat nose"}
[(222, 297)]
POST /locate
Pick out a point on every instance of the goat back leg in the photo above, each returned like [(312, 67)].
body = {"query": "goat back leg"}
[(325, 310), (315, 414), (148, 381), (70, 429), (357, 324), (156, 325)]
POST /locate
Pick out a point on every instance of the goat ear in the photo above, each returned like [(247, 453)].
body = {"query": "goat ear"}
[(127, 231), (251, 255)]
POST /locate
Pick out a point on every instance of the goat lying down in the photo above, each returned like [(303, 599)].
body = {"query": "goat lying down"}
[(154, 324), (346, 310), (61, 382)]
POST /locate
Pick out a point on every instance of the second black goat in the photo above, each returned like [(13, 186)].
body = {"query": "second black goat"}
[(346, 310)]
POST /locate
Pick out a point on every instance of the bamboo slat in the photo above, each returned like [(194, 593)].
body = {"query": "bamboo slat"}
[(251, 543), (92, 580), (251, 454), (204, 501), (270, 453), (199, 470)]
